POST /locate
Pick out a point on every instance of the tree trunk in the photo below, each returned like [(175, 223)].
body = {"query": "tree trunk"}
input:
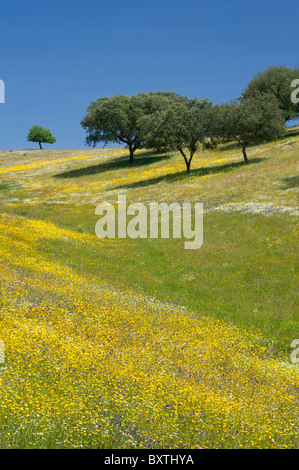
[(245, 154), (131, 154), (188, 162), (40, 145)]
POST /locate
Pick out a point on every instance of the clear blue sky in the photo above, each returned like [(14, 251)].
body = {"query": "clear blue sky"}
[(57, 56)]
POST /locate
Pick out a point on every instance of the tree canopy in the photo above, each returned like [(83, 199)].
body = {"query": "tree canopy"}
[(245, 121), (177, 125), (275, 81), (115, 120), (40, 134)]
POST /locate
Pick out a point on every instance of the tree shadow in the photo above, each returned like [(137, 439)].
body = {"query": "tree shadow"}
[(182, 175), (291, 182), (118, 163)]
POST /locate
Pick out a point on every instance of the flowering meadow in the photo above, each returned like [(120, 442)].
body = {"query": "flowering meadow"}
[(91, 362)]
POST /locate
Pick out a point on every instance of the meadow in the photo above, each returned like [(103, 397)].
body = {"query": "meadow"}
[(139, 343)]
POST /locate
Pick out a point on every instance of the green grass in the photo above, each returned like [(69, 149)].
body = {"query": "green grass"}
[(244, 273)]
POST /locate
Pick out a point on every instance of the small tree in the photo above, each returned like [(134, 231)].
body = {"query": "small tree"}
[(245, 122), (40, 134), (277, 82), (177, 125)]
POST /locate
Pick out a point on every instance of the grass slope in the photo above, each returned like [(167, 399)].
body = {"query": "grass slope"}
[(140, 343)]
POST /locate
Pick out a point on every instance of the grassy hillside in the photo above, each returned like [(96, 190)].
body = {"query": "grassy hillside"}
[(141, 343)]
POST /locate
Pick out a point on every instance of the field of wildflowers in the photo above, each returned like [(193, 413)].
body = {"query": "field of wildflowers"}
[(94, 358)]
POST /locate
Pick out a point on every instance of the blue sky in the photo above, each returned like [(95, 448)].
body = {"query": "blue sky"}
[(57, 56)]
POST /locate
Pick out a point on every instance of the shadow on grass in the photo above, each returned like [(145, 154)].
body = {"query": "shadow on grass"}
[(290, 182), (118, 163), (181, 175)]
